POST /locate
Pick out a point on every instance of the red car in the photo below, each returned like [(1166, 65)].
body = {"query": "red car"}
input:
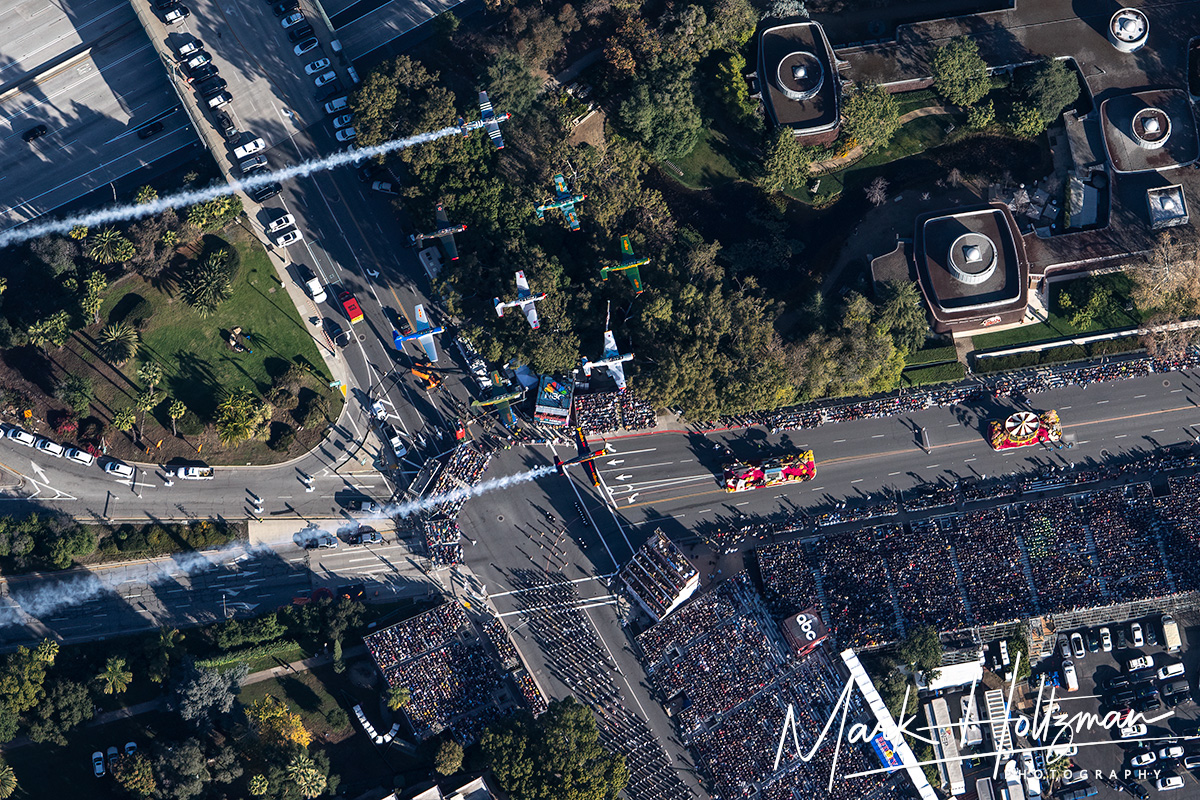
[(353, 312)]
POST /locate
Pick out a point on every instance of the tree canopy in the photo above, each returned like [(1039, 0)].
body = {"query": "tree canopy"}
[(1049, 87), (870, 115), (557, 756), (959, 74)]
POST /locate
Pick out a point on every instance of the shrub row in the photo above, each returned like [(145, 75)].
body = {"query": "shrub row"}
[(1057, 355), (160, 539), (932, 355), (247, 653), (938, 373)]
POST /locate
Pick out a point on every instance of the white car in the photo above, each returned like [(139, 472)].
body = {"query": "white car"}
[(249, 148), (1143, 759), (80, 457), (387, 188), (292, 19), (1133, 731), (317, 66), (1140, 662), (347, 134), (22, 437), (1170, 671), (1105, 640), (328, 77), (288, 238), (1169, 782), (1077, 645), (176, 14), (1135, 633), (336, 104), (98, 764), (119, 469), (342, 121), (1171, 751), (286, 221), (51, 448), (305, 46)]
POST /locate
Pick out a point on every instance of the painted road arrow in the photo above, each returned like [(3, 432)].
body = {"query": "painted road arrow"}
[(615, 462), (632, 497), (624, 477), (38, 470)]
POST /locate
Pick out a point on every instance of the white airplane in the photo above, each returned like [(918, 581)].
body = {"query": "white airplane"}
[(613, 360), (423, 334), (525, 299)]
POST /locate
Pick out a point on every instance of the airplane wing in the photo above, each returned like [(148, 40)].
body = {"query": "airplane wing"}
[(560, 186), (572, 216), (522, 286), (626, 248), (426, 339), (610, 345), (447, 240), (635, 279), (530, 310), (489, 116)]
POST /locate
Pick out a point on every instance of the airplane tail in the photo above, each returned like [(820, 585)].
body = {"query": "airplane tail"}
[(499, 306), (559, 466)]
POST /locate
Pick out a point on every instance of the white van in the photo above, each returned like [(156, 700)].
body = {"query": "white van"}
[(312, 284), (1072, 680), (216, 101), (249, 148), (1170, 671)]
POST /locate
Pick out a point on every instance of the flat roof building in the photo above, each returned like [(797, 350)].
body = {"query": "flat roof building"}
[(798, 81), (1149, 130), (1168, 206)]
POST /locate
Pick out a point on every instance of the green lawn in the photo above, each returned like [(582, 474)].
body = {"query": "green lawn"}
[(938, 373), (304, 692), (715, 161), (932, 355), (194, 352), (1059, 325)]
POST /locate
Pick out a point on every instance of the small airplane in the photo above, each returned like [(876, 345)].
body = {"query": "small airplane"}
[(502, 398), (423, 334), (489, 119), (563, 201), (585, 457), (630, 265), (613, 360), (525, 299), (445, 234)]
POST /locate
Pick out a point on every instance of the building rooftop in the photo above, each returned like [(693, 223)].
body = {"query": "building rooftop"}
[(970, 261), (797, 79), (1149, 130), (1167, 205)]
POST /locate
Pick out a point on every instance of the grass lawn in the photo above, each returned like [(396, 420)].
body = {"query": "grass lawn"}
[(715, 161), (938, 373), (306, 694), (1059, 325), (932, 355)]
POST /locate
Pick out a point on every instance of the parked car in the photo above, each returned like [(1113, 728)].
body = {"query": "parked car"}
[(286, 7), (98, 764), (312, 284), (36, 132), (387, 188), (187, 48), (120, 469), (211, 86), (196, 61), (335, 105), (1151, 634), (1145, 704), (21, 436), (279, 223), (265, 192), (176, 14), (1077, 645), (1069, 676), (113, 755), (1122, 642), (1093, 641), (1079, 793), (80, 457), (364, 535), (1132, 731), (362, 504), (1064, 646), (300, 32), (325, 78), (351, 307), (1191, 762), (336, 334), (1143, 759), (228, 129), (288, 238), (1171, 751), (1170, 671), (251, 164), (322, 541), (218, 100), (303, 47), (1168, 782), (1117, 681), (1139, 662), (343, 120), (1135, 635), (292, 19), (51, 448), (316, 66), (1106, 643), (130, 748), (347, 135), (353, 73), (249, 148)]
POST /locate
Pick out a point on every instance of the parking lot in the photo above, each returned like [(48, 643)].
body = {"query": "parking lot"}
[(79, 81), (1107, 684)]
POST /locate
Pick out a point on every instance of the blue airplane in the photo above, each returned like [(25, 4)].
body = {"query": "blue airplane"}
[(564, 201), (423, 334)]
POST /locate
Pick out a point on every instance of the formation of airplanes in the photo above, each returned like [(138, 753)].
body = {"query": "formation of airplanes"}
[(525, 301), (563, 201)]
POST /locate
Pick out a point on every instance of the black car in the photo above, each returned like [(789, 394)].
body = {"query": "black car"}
[(150, 130), (163, 5), (367, 172), (203, 72), (1120, 698), (228, 129), (336, 334), (1146, 691), (365, 535), (1116, 682), (300, 32), (285, 8), (1135, 789), (1147, 704), (35, 132), (211, 86), (265, 192), (1143, 675), (1093, 641), (1151, 636)]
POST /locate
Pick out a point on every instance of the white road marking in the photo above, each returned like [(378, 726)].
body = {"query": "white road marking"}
[(857, 480), (879, 436)]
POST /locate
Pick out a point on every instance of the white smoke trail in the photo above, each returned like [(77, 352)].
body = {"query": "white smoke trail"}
[(51, 596), (132, 211)]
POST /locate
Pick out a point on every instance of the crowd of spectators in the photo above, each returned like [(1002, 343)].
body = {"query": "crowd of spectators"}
[(930, 495), (449, 675), (576, 657), (532, 694), (720, 659), (605, 412), (438, 525), (981, 566), (1014, 385), (495, 632), (861, 509)]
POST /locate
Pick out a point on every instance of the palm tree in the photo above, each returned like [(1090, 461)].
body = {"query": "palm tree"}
[(8, 782), (304, 773), (115, 677), (160, 659), (209, 284), (398, 697), (259, 785), (175, 411), (146, 401), (109, 247), (119, 342), (150, 373), (123, 419)]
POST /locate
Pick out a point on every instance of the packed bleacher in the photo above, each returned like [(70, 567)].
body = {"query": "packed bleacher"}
[(496, 633), (1181, 531), (1015, 385), (990, 563), (855, 578), (448, 673), (438, 525), (923, 577), (721, 660), (1055, 539), (534, 699), (605, 412), (1122, 523)]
